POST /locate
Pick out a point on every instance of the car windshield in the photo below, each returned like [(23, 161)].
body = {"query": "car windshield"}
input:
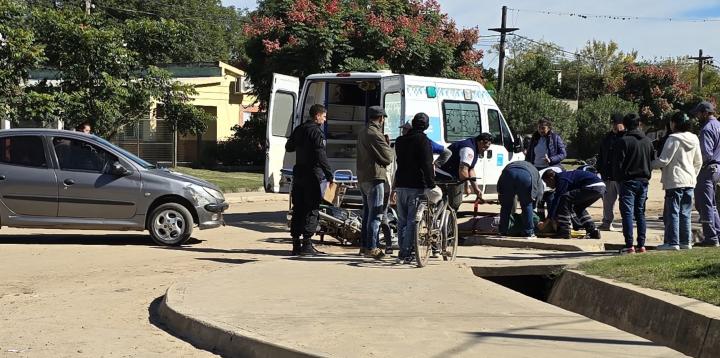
[(133, 157)]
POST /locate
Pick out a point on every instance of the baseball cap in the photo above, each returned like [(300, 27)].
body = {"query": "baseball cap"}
[(376, 111), (703, 106)]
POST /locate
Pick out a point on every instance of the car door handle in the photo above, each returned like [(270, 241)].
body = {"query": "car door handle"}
[(69, 182)]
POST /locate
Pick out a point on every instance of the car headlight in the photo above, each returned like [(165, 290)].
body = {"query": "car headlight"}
[(215, 194), (199, 195)]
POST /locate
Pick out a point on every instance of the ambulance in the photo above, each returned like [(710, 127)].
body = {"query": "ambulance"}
[(458, 109)]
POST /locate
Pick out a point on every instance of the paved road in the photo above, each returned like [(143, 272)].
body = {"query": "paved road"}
[(93, 294)]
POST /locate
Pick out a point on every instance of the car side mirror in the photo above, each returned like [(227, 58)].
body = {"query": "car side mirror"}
[(118, 169), (518, 145)]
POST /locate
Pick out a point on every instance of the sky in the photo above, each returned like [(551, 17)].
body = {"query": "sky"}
[(652, 37)]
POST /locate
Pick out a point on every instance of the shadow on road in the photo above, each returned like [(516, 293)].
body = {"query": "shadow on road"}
[(264, 222), (74, 239), (268, 252), (225, 260)]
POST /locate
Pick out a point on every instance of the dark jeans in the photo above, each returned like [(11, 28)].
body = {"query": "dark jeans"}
[(575, 203), (515, 182), (455, 195), (306, 199), (372, 197), (633, 195), (678, 206), (406, 210), (705, 202)]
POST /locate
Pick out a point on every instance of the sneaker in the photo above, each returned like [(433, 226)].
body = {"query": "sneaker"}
[(388, 251), (531, 237), (685, 246), (606, 227), (627, 250), (641, 250), (668, 247), (707, 244), (399, 260), (409, 260), (362, 251)]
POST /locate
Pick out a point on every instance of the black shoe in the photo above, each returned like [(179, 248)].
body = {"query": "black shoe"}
[(388, 250), (297, 246), (707, 244), (593, 235), (308, 249)]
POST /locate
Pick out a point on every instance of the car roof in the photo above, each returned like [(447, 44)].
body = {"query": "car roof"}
[(44, 132)]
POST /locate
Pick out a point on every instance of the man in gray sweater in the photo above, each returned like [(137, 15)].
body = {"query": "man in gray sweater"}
[(373, 157)]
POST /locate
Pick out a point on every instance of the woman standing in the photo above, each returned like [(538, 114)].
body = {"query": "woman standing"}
[(546, 150), (680, 161)]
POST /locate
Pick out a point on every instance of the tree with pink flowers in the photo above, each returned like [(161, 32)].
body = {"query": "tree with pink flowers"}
[(301, 37)]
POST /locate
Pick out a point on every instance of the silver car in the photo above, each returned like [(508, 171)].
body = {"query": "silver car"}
[(60, 179)]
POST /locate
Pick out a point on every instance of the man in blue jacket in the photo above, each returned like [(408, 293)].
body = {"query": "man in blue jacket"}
[(575, 191)]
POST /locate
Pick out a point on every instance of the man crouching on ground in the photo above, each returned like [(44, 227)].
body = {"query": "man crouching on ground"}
[(575, 191)]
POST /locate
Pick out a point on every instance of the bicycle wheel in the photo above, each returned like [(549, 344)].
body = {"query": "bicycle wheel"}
[(450, 237), (422, 241)]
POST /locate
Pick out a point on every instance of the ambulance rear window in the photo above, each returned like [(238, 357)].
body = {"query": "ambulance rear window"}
[(462, 120)]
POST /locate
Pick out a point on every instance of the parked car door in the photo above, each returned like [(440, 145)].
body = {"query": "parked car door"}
[(86, 187), (27, 183)]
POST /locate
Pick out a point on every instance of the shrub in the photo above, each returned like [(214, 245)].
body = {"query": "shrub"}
[(247, 145)]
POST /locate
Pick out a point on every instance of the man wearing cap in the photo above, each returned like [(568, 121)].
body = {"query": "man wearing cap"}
[(604, 168), (414, 174), (632, 158), (374, 155), (709, 174), (438, 149)]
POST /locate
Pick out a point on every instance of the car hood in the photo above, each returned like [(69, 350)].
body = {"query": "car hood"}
[(166, 173)]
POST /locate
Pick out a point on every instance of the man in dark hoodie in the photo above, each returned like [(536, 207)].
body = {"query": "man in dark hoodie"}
[(632, 169), (604, 168), (414, 174)]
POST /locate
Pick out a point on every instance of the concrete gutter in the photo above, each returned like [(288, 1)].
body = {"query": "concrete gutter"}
[(212, 337), (684, 324), (540, 244)]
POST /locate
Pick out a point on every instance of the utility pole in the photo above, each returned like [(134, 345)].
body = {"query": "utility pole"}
[(701, 61), (503, 29), (88, 5)]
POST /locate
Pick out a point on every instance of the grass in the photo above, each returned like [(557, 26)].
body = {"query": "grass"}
[(691, 273), (229, 182)]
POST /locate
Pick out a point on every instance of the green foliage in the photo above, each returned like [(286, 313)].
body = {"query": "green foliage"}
[(301, 37), (247, 145), (523, 106), (593, 119), (19, 53)]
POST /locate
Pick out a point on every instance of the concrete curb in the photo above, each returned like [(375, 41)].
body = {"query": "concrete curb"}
[(684, 324), (256, 197), (209, 336), (560, 245)]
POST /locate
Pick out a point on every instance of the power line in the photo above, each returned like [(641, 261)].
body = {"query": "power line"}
[(587, 16), (555, 47)]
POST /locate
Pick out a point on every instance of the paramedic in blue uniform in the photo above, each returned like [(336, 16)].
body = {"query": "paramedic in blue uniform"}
[(575, 191), (519, 179), (311, 167), (461, 166)]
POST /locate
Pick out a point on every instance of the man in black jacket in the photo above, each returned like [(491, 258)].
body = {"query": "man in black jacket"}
[(414, 174), (631, 168), (311, 167), (604, 168)]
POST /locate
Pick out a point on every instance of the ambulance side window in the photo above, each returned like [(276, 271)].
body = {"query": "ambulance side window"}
[(393, 106), (462, 120), (502, 135)]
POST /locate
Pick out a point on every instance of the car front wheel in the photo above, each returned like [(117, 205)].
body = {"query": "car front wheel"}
[(170, 224)]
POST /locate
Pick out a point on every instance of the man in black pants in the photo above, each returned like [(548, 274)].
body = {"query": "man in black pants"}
[(311, 166)]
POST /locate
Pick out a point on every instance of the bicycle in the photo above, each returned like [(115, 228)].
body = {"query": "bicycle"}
[(436, 227)]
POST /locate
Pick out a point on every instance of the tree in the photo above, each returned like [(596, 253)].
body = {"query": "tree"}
[(301, 37), (523, 106), (593, 121), (535, 64), (19, 53), (655, 89)]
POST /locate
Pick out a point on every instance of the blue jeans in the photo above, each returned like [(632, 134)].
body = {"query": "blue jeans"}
[(406, 210), (678, 206), (515, 182), (705, 202), (372, 197), (633, 195)]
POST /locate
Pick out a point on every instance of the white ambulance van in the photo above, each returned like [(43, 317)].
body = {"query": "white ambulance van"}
[(458, 109)]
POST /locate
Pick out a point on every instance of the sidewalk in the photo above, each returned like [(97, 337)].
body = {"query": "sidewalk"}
[(254, 197), (346, 306)]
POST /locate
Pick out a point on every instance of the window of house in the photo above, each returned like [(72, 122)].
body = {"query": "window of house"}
[(283, 106), (27, 151), (79, 155), (462, 120)]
